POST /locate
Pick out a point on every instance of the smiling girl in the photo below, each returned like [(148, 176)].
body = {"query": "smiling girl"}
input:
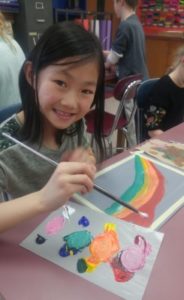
[(62, 78)]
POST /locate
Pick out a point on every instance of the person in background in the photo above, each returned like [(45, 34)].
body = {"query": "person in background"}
[(62, 78), (128, 50), (12, 58), (165, 106)]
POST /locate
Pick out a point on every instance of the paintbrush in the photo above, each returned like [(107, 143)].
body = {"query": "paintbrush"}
[(96, 187)]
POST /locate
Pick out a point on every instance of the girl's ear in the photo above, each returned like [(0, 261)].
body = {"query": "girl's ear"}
[(28, 70)]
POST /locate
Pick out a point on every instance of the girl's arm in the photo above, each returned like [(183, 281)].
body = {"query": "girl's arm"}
[(68, 178), (16, 211)]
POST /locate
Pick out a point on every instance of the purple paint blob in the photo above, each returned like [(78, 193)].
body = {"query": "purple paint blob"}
[(84, 221)]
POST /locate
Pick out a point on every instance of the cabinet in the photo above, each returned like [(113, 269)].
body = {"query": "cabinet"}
[(34, 17), (32, 20), (160, 50)]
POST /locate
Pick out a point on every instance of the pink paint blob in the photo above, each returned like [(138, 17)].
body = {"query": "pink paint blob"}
[(55, 225), (134, 258)]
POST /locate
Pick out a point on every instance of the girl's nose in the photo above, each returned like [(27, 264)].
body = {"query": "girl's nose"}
[(71, 99)]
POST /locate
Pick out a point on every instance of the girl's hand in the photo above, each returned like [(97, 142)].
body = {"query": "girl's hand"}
[(68, 178)]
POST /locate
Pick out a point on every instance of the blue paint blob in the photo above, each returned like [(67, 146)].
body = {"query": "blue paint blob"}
[(83, 221), (40, 239), (64, 251)]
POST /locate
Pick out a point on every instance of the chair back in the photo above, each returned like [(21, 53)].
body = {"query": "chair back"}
[(144, 90), (128, 91), (142, 96), (124, 90), (7, 112), (123, 83)]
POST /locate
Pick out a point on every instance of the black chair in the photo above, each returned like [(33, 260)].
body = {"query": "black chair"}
[(7, 112), (143, 92)]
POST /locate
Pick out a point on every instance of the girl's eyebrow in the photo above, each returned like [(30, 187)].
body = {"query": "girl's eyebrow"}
[(69, 74), (92, 83)]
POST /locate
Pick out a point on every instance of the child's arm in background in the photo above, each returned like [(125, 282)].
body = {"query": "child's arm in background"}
[(155, 133)]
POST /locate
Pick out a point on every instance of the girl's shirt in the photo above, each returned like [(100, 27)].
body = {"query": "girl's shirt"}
[(165, 106), (22, 172)]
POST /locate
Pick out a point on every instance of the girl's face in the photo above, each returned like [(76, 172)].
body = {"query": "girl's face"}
[(66, 92)]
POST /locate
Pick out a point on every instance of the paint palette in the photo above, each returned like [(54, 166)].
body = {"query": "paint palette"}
[(114, 254), (146, 184)]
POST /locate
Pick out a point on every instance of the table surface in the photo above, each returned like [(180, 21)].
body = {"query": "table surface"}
[(26, 276)]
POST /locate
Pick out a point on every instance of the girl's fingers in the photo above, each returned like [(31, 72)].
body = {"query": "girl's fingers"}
[(79, 155), (79, 179), (76, 155), (68, 178), (76, 168), (78, 188)]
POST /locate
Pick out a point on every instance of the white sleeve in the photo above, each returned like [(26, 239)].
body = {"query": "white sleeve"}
[(113, 57)]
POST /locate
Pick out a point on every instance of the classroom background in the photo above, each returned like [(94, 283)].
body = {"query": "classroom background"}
[(163, 23)]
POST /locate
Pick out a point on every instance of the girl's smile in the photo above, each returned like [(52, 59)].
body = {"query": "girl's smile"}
[(63, 115)]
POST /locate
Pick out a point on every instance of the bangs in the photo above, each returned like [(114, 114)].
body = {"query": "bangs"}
[(76, 60)]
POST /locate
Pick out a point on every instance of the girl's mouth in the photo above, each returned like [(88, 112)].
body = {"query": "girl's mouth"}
[(63, 115)]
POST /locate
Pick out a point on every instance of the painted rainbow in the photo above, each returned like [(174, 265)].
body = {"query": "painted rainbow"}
[(144, 194)]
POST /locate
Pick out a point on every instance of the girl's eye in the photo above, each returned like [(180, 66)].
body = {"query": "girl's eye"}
[(88, 92), (60, 83)]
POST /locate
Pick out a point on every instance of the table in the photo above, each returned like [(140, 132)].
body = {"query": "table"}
[(26, 276)]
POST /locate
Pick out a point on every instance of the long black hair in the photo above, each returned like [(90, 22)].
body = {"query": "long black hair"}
[(60, 41)]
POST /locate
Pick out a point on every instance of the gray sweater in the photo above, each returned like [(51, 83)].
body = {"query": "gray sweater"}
[(130, 42), (22, 172)]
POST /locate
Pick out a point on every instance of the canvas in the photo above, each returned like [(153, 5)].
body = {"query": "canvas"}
[(146, 184)]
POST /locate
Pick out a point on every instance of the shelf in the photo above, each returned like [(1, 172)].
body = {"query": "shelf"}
[(166, 15), (9, 10), (169, 32), (9, 6)]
